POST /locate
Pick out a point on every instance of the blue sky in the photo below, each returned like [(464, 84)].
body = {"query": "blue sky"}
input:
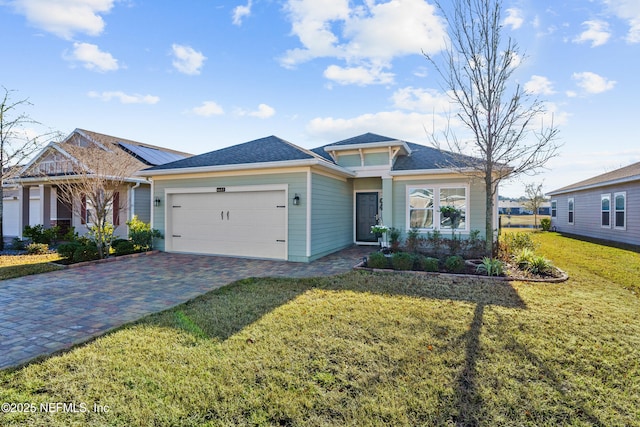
[(199, 75)]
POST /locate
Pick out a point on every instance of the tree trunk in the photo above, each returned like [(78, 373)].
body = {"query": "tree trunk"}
[(489, 216)]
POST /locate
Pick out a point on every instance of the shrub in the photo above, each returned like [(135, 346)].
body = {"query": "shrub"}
[(539, 265), (394, 238), (66, 250), (413, 240), (523, 258), (377, 260), (17, 244), (545, 224), (86, 253), (39, 234), (431, 264), (512, 243), (402, 261), (141, 234), (37, 248), (491, 267), (454, 264), (123, 247)]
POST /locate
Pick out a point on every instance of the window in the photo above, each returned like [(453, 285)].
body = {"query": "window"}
[(620, 204), (421, 203), (605, 209), (570, 206), (425, 203), (456, 197), (554, 208)]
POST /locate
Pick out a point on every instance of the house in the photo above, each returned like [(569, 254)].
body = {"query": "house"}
[(516, 207), (34, 196), (605, 207), (269, 198)]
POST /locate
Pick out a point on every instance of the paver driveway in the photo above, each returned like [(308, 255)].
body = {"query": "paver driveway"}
[(48, 312)]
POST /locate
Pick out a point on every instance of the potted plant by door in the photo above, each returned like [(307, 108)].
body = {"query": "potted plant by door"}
[(380, 231)]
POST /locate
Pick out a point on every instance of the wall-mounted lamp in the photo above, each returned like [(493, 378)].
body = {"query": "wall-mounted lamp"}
[(156, 202), (296, 200)]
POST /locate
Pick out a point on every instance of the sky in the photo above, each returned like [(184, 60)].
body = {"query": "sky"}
[(199, 75)]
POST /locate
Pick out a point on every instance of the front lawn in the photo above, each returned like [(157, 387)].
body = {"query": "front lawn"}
[(364, 349), (23, 265)]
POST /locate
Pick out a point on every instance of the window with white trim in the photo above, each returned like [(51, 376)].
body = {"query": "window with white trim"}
[(605, 210), (554, 208), (424, 203), (620, 209), (570, 209)]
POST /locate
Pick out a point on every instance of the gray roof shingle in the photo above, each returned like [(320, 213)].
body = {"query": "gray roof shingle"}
[(627, 173)]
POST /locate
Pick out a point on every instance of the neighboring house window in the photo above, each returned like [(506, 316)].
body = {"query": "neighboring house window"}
[(554, 208), (570, 206), (605, 209), (425, 203), (421, 203), (620, 204), (456, 197)]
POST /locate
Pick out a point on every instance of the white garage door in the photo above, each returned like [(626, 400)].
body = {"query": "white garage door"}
[(244, 223)]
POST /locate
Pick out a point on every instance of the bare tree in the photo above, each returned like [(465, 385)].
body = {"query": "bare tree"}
[(92, 185), (17, 143), (535, 199), (477, 69)]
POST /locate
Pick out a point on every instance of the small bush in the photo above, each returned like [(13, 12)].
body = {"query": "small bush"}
[(545, 224), (539, 265), (491, 267), (512, 243), (523, 258), (39, 234), (123, 247), (66, 250), (86, 253), (413, 240), (17, 244), (394, 238), (431, 264), (377, 260), (141, 234), (37, 248), (402, 261), (454, 264)]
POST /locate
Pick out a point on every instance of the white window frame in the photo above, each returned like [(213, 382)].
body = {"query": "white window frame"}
[(604, 197), (554, 209), (436, 205), (615, 210), (571, 210)]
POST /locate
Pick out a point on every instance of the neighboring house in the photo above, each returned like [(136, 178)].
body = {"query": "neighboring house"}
[(32, 197), (269, 198), (604, 207), (514, 207)]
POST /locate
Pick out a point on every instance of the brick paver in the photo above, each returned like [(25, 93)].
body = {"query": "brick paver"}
[(48, 312)]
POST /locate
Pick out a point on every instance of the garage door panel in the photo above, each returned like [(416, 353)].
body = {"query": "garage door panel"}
[(251, 223)]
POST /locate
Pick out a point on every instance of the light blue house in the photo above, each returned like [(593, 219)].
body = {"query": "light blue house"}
[(269, 198)]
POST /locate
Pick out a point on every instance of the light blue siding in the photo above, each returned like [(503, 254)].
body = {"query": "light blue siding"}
[(376, 159), (331, 216), (349, 160), (296, 216), (142, 205)]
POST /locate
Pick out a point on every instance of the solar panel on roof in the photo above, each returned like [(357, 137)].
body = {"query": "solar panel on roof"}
[(152, 156)]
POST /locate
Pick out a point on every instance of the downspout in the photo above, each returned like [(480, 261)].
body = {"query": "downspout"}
[(133, 201)]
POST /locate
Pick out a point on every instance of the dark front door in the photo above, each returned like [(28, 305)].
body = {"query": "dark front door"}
[(366, 214)]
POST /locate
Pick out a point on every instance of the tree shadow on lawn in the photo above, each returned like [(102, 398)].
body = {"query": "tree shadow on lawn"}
[(244, 302)]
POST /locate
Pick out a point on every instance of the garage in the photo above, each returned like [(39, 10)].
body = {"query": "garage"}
[(233, 221)]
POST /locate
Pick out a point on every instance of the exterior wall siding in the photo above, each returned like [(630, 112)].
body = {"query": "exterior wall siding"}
[(376, 159), (475, 202), (142, 204), (297, 183), (588, 214), (331, 216)]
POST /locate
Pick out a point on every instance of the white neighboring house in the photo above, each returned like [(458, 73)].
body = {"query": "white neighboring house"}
[(32, 198)]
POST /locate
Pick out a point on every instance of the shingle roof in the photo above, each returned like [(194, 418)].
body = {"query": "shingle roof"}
[(625, 174), (263, 150)]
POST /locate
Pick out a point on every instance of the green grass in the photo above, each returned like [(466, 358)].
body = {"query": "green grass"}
[(520, 220), (364, 349), (12, 266)]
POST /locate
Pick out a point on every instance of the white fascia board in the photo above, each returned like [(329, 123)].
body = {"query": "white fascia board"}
[(248, 167), (597, 185), (45, 179), (364, 146), (439, 171)]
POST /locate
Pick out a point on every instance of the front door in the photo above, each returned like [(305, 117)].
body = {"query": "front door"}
[(366, 216)]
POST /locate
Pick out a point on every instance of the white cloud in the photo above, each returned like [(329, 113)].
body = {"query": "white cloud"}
[(208, 109), (240, 12), (539, 85), (93, 58), (592, 83), (361, 75), (597, 33), (514, 18), (125, 98), (65, 18), (628, 10), (264, 111), (367, 37), (186, 59), (422, 100)]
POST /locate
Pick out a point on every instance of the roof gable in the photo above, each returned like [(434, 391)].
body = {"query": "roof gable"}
[(624, 174)]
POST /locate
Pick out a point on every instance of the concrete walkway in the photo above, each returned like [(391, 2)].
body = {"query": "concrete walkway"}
[(48, 312)]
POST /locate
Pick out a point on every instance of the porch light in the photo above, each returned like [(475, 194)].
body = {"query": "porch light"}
[(296, 200), (156, 201)]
